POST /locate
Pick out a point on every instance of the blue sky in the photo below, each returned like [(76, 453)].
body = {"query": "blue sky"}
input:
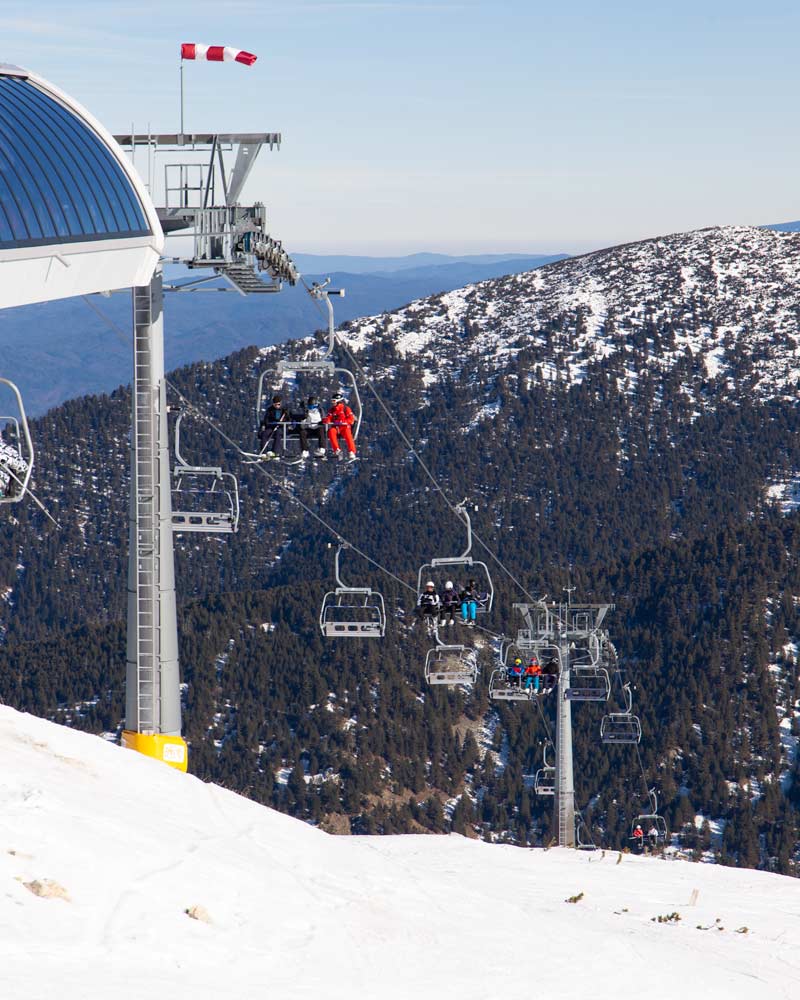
[(459, 126)]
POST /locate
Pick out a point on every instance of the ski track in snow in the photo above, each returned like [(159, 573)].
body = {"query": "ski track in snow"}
[(296, 913)]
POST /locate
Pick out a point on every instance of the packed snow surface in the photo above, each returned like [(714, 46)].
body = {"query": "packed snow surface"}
[(103, 852)]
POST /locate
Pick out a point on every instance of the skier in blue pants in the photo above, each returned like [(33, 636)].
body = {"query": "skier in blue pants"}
[(469, 603)]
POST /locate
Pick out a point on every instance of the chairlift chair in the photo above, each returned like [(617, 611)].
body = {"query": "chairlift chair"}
[(465, 560), (588, 684), (23, 445), (451, 666), (544, 783), (286, 438), (501, 688), (352, 612), (580, 843), (203, 486), (622, 727), (648, 821)]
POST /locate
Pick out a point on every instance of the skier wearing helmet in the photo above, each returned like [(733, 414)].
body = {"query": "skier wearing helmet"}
[(450, 603), (340, 418), (515, 673), (428, 605)]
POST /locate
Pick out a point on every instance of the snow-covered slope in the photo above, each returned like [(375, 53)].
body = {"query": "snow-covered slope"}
[(728, 295), (293, 912)]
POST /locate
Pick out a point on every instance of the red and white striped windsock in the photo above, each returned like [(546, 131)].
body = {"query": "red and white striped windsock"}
[(216, 53)]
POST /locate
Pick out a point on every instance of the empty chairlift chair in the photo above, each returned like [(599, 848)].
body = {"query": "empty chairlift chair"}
[(352, 612), (438, 569), (204, 498), (621, 727), (544, 782), (452, 666), (16, 450), (588, 683)]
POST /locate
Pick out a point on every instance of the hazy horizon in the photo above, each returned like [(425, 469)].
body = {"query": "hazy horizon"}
[(458, 127)]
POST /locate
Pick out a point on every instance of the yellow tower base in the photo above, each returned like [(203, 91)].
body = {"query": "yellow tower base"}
[(171, 750)]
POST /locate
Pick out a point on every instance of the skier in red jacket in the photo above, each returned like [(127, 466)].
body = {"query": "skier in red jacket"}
[(339, 420)]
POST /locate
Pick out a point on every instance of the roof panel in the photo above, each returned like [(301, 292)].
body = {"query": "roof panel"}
[(59, 183)]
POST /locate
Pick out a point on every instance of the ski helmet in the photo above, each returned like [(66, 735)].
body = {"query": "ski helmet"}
[(448, 585)]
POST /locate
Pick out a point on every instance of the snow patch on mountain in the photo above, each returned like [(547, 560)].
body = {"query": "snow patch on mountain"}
[(717, 293)]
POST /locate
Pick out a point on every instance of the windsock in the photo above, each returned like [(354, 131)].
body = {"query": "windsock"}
[(216, 53)]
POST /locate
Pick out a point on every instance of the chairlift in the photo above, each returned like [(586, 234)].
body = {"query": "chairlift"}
[(580, 843), (588, 684), (352, 612), (544, 783), (206, 498), (452, 666), (16, 465), (285, 440), (622, 727), (474, 566), (503, 688), (652, 821)]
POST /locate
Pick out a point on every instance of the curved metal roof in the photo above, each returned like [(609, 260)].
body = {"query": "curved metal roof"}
[(59, 183)]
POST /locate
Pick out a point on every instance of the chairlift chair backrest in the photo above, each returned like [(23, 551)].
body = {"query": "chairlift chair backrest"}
[(19, 478)]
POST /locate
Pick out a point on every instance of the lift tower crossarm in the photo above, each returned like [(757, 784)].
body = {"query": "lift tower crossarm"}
[(192, 139)]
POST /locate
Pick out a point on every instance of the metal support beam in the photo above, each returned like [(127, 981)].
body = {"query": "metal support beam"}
[(152, 694), (564, 805)]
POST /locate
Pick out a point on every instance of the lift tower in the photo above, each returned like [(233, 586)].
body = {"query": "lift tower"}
[(573, 636), (229, 241)]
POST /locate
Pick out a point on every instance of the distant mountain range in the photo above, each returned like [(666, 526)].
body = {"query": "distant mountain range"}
[(61, 350), (785, 227)]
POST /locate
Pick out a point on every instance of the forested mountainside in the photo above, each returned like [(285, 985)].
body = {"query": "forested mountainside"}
[(625, 421)]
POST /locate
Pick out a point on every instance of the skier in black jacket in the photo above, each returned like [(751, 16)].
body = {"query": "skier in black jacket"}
[(428, 605), (269, 428)]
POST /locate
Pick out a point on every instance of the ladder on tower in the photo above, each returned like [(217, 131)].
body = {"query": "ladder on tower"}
[(565, 802), (146, 519)]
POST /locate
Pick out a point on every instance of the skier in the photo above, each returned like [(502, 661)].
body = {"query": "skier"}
[(428, 605), (652, 836), (469, 604), (638, 839), (532, 675), (339, 420), (550, 673), (269, 427), (515, 673), (11, 462), (450, 601), (313, 421)]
